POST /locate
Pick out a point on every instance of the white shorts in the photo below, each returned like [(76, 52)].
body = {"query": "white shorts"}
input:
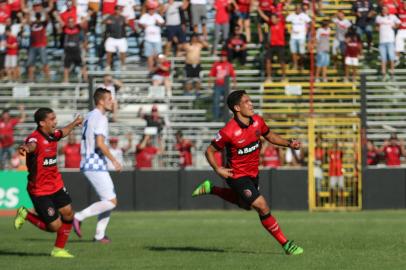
[(102, 183), (113, 45), (11, 61), (334, 180), (351, 61), (400, 40)]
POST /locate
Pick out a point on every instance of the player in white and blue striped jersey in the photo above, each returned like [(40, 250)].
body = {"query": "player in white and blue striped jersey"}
[(95, 152)]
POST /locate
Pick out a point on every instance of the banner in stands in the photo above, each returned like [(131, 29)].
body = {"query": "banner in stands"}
[(13, 190)]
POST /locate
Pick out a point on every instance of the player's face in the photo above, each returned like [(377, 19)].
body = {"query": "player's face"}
[(49, 123), (108, 102), (245, 106)]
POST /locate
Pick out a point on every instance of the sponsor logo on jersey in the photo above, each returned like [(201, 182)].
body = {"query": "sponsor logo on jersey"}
[(248, 149), (49, 161)]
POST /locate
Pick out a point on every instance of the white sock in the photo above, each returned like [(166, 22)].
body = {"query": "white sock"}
[(101, 226), (95, 209)]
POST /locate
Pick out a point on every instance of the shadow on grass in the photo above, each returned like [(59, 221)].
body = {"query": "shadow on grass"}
[(48, 240), (22, 253), (200, 249)]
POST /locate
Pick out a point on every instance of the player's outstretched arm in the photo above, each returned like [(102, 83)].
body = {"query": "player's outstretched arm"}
[(105, 150), (278, 140), (221, 171), (68, 129)]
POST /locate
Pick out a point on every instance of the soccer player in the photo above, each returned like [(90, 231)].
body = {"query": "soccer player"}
[(241, 137), (45, 185), (94, 151)]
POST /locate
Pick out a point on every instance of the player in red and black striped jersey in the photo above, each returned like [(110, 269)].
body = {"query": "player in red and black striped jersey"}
[(240, 137), (45, 185)]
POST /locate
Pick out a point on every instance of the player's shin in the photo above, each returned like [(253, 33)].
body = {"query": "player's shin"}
[(272, 226), (62, 234)]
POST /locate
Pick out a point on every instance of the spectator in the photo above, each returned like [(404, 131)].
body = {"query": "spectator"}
[(5, 13), (387, 23), (118, 152), (323, 50), (393, 150), (220, 70), (152, 22), (7, 124), (116, 37), (271, 155), (113, 86), (17, 8), (392, 5), (129, 7), (71, 151), (364, 12), (401, 34), (300, 24), (319, 160), (153, 119), (38, 46), (222, 19), (192, 63), (175, 33), (243, 13), (237, 46), (73, 44), (17, 162), (372, 154), (294, 158), (264, 16), (11, 62), (341, 27), (83, 13), (108, 7), (162, 73), (276, 46), (145, 153), (336, 173), (199, 16), (184, 147), (353, 50)]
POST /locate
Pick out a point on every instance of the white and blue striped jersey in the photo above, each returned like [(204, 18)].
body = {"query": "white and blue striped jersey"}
[(96, 123)]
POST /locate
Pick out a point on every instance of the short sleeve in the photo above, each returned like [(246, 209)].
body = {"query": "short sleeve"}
[(220, 141), (263, 126), (100, 127), (58, 134)]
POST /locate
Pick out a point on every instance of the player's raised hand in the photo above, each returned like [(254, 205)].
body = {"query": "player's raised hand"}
[(294, 144), (78, 120), (224, 172), (117, 166)]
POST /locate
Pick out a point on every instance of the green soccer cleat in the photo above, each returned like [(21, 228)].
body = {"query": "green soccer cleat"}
[(21, 215), (61, 253), (203, 189), (292, 249)]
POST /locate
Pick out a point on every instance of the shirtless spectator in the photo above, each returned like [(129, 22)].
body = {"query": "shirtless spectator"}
[(192, 64)]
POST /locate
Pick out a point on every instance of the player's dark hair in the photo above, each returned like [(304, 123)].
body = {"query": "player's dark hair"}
[(234, 98), (41, 114), (99, 94)]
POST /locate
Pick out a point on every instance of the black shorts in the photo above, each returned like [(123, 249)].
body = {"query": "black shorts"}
[(260, 20), (278, 51), (246, 188), (47, 206), (192, 71), (72, 58)]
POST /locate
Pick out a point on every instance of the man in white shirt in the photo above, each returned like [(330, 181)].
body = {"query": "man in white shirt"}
[(341, 26), (94, 151), (299, 21), (387, 23), (118, 152), (151, 22)]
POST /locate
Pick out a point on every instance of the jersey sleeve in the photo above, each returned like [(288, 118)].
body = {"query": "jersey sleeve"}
[(263, 126), (58, 134), (221, 140), (100, 127)]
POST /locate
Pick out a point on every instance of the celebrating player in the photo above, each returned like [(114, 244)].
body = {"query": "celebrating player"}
[(45, 185), (94, 151), (241, 136)]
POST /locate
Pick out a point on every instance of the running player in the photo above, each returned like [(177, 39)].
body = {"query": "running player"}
[(94, 152), (241, 138), (45, 185)]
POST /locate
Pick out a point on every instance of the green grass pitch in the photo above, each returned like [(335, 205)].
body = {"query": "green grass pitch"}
[(217, 240)]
